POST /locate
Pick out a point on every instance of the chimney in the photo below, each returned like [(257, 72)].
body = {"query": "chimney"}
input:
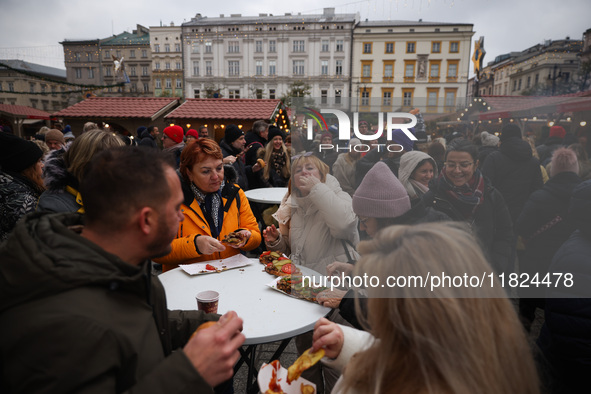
[(328, 12)]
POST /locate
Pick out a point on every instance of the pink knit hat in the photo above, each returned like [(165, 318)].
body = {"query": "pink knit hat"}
[(564, 160), (380, 194)]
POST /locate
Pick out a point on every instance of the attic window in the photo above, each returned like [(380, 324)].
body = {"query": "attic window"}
[(390, 30), (455, 29), (368, 30), (412, 30), (437, 30)]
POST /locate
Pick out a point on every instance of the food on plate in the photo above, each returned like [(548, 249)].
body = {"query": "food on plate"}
[(274, 386), (261, 163), (305, 361), (307, 389), (234, 238), (210, 267), (294, 286), (281, 267), (268, 257)]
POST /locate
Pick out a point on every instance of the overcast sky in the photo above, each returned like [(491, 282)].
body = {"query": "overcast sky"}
[(32, 29)]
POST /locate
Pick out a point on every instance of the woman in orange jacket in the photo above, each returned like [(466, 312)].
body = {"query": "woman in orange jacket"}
[(212, 210)]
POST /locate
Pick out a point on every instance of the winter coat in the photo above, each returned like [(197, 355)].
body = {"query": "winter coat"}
[(238, 165), (491, 223), (62, 187), (148, 140), (254, 142), (543, 224), (322, 225), (237, 215), (328, 157), (483, 152), (514, 172), (18, 196), (547, 148), (74, 318), (344, 170)]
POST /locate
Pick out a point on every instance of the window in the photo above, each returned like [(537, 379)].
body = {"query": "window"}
[(178, 65), (324, 46), (434, 71), (337, 96), (388, 70), (454, 47), (134, 87), (168, 83), (272, 67), (339, 67), (566, 76), (389, 47), (77, 56), (53, 90), (366, 71), (167, 65), (196, 93), (43, 88), (536, 79), (144, 53), (367, 47), (299, 46), (234, 93), (132, 70), (259, 67), (158, 83), (452, 69), (365, 97), (11, 86), (107, 55), (107, 71), (450, 98), (91, 73), (145, 71), (339, 46), (432, 98), (177, 47), (179, 83), (208, 47), (132, 53), (387, 98), (514, 85), (196, 69), (407, 98), (78, 72), (234, 68), (166, 47), (272, 46), (436, 47), (208, 68), (298, 67), (272, 94), (258, 46), (156, 47), (410, 47), (323, 96), (89, 55), (195, 47), (324, 67), (409, 70), (259, 93), (233, 46), (519, 85), (528, 82), (157, 65)]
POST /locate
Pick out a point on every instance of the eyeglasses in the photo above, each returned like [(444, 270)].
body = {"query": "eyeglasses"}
[(302, 155), (463, 165)]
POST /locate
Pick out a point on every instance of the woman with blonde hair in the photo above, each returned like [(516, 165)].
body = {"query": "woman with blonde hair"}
[(453, 339), (277, 158), (64, 170)]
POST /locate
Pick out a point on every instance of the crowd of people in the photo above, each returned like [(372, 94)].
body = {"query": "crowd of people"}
[(86, 214)]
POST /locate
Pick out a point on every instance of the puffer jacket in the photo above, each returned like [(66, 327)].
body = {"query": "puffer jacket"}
[(236, 216), (491, 224), (320, 223), (74, 318), (18, 196), (514, 172), (565, 338)]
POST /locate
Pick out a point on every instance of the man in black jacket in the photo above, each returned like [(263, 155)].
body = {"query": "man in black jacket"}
[(79, 310)]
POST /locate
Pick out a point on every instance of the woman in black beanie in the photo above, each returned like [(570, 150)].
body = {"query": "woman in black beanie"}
[(20, 180)]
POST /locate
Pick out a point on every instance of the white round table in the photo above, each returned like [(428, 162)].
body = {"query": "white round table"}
[(268, 315), (267, 195)]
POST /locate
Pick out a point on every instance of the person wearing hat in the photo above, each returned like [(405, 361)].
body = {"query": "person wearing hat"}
[(554, 141), (544, 225), (232, 146), (277, 160), (55, 139), (192, 134), (489, 144), (256, 139), (513, 170), (21, 181), (172, 141)]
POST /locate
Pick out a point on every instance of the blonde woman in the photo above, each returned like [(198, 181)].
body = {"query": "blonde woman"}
[(451, 340), (278, 168), (64, 170)]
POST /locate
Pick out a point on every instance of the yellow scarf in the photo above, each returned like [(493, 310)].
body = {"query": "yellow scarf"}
[(78, 197)]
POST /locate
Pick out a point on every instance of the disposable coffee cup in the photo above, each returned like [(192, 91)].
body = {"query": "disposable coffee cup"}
[(207, 301)]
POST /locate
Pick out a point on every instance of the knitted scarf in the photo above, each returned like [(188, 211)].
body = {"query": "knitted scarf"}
[(469, 196), (278, 159), (211, 204)]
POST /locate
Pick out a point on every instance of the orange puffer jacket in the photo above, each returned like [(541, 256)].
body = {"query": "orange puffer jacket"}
[(237, 216)]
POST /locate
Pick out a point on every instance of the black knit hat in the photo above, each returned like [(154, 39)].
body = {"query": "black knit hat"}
[(232, 133), (510, 131), (274, 132), (17, 154)]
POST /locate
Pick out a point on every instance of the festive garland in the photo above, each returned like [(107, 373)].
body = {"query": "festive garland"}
[(94, 87), (46, 93)]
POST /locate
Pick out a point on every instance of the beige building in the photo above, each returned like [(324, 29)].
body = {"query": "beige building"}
[(403, 64), (167, 60), (33, 85)]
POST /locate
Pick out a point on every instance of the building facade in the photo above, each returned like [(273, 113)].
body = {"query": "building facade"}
[(402, 65), (261, 57), (33, 85), (167, 61)]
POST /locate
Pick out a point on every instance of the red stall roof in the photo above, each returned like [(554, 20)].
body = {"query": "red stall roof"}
[(225, 109), (119, 107)]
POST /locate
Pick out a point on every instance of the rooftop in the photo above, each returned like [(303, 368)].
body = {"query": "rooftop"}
[(225, 109), (119, 107), (140, 36), (34, 68), (22, 111), (420, 22), (327, 17)]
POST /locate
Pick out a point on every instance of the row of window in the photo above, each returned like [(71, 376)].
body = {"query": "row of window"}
[(409, 70), (109, 70), (167, 66), (168, 83), (32, 88), (177, 47), (298, 46), (132, 54), (270, 28), (411, 47), (408, 95), (298, 68)]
